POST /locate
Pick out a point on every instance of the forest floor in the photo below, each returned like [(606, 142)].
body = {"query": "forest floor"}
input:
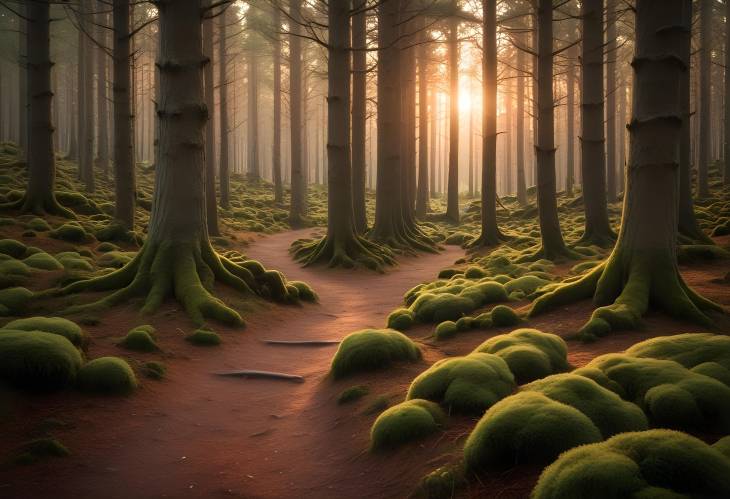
[(195, 434)]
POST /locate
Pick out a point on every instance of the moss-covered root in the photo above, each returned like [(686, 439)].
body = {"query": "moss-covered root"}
[(39, 205), (542, 253), (602, 238), (655, 463), (186, 271), (625, 286), (352, 252)]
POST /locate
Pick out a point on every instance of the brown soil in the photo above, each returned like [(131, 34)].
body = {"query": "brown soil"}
[(195, 434)]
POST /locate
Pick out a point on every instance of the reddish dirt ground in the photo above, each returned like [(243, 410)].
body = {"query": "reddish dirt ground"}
[(195, 434)]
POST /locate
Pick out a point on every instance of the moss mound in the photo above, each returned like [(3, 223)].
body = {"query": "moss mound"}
[(141, 339), (443, 307), (108, 376), (529, 353), (649, 464), (527, 284), (671, 395), (609, 412), (400, 319), (204, 338), (526, 428), (54, 325), (38, 225), (14, 268), (405, 422), (689, 349), (305, 292), (469, 384), (39, 449), (502, 316), (14, 300), (154, 370), (352, 394), (371, 349), (446, 330), (43, 261), (70, 232), (723, 445), (13, 248), (36, 360)]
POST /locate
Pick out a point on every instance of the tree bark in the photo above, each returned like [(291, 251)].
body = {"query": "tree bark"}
[(611, 54), (211, 205), (276, 154), (452, 202), (102, 18), (726, 155), (422, 196), (359, 114), (298, 207), (223, 173), (593, 157), (254, 160), (86, 102), (705, 114), (520, 129), (642, 268), (570, 128), (23, 84)]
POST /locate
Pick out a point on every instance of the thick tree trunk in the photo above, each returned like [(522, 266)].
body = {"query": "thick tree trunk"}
[(570, 128), (490, 234), (593, 157), (642, 270), (520, 129), (102, 19), (223, 172), (422, 196), (611, 55), (39, 196), (298, 207), (622, 138), (726, 155), (211, 205), (452, 202), (276, 154), (359, 114), (86, 105), (553, 245), (124, 175), (705, 114)]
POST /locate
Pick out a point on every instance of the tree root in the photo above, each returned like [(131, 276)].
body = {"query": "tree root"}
[(624, 287), (489, 240), (40, 206), (354, 251), (556, 254), (186, 271), (602, 239)]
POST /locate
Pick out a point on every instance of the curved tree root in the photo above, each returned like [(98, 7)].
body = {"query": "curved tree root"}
[(624, 287), (602, 239), (489, 240), (350, 253), (553, 254), (40, 206), (186, 271)]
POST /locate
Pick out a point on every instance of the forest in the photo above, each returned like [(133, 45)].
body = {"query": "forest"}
[(364, 248)]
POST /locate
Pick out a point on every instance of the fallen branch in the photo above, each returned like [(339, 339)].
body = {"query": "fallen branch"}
[(262, 375)]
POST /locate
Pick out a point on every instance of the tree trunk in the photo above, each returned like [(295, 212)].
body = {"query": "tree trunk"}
[(39, 196), (276, 153), (86, 103), (570, 104), (611, 54), (726, 155), (298, 207), (359, 114), (642, 269), (705, 116), (124, 174), (211, 206), (553, 245), (254, 160), (520, 132), (593, 157), (23, 84), (490, 234), (452, 202), (422, 196), (433, 132), (102, 18), (223, 172)]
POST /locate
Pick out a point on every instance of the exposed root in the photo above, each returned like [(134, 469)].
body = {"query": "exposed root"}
[(602, 239), (350, 253), (555, 254), (624, 287), (489, 240), (40, 206)]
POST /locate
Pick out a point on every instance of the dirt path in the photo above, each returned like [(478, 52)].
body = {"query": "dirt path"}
[(199, 435)]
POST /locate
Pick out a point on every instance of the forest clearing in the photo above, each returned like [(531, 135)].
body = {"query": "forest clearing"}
[(404, 248)]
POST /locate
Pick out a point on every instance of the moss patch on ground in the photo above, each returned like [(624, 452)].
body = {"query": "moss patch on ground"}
[(107, 376), (371, 349), (405, 422)]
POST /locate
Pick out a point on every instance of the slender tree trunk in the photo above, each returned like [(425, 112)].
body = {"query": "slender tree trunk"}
[(223, 166), (570, 128), (611, 54), (593, 157), (622, 138), (80, 97), (452, 203), (642, 268), (124, 175), (86, 104), (726, 155), (23, 84), (298, 206), (254, 160), (359, 115), (422, 196), (433, 173), (102, 18), (211, 206), (705, 114), (553, 245), (520, 132), (470, 152), (490, 234), (276, 154)]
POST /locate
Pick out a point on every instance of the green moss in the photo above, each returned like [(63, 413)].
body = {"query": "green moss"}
[(526, 428), (380, 403), (14, 268), (36, 360), (442, 483), (475, 273), (529, 353), (436, 308), (371, 349), (115, 232), (400, 319), (38, 224), (40, 449), (723, 445), (353, 393), (445, 330), (306, 293), (467, 384), (70, 232), (405, 422), (502, 316), (154, 370), (14, 299), (54, 325), (528, 284), (689, 349), (115, 259), (649, 464), (72, 260), (108, 376), (713, 370), (43, 261), (671, 395), (594, 328), (464, 323), (141, 339), (485, 292), (13, 248), (609, 412), (105, 247), (203, 337)]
